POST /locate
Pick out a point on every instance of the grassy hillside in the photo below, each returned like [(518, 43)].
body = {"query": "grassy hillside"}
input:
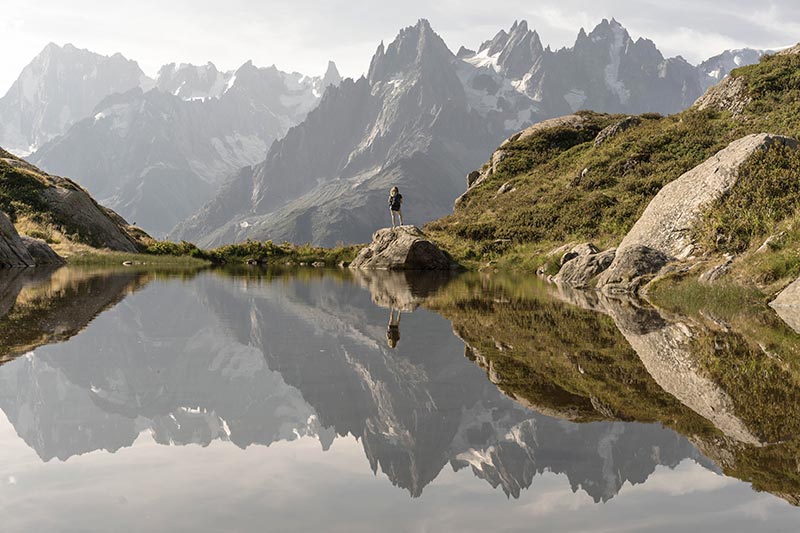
[(568, 189), (60, 212)]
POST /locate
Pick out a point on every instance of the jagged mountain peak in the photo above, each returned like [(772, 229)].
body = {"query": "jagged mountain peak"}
[(609, 29), (58, 87), (412, 46), (511, 53), (332, 76)]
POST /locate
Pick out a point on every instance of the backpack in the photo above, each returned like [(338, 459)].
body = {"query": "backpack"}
[(395, 201)]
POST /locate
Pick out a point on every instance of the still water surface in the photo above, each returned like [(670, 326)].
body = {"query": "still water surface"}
[(225, 401)]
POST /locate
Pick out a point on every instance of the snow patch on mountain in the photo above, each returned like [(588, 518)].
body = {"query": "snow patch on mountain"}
[(612, 69)]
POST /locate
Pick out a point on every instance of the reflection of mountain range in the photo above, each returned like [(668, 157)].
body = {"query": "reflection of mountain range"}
[(254, 363)]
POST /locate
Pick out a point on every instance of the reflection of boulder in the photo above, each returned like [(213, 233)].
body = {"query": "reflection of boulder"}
[(402, 248), (735, 395), (665, 348), (405, 290)]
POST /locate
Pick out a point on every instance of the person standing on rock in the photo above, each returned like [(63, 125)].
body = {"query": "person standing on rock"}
[(395, 202)]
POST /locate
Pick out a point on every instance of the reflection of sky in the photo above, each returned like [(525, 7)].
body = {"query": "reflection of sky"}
[(297, 486)]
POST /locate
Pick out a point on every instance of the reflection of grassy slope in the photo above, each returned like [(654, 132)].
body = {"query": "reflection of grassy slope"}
[(575, 362), (55, 308), (557, 356), (553, 204), (756, 360)]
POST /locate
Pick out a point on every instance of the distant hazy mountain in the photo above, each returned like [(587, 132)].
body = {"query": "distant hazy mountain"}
[(59, 87), (714, 69), (156, 156), (421, 119)]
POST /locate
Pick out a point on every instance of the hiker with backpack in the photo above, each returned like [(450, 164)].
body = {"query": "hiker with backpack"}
[(395, 202)]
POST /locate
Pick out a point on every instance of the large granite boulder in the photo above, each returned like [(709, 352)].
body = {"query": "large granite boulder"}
[(13, 252), (16, 251), (787, 305), (582, 264), (41, 253), (631, 267), (664, 229), (76, 214), (402, 248)]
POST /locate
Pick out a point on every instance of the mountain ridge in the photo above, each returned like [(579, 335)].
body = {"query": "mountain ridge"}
[(511, 82)]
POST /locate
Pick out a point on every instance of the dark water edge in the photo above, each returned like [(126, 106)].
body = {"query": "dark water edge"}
[(234, 400)]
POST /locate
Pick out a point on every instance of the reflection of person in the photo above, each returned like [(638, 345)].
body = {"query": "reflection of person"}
[(395, 203), (393, 331)]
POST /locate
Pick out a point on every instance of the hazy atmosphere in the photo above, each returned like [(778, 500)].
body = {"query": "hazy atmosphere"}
[(453, 266), (303, 36)]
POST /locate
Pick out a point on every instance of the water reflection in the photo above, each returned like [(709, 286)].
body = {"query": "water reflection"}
[(255, 361), (730, 383), (42, 306)]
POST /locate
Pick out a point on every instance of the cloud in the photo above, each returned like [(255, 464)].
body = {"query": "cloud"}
[(303, 36)]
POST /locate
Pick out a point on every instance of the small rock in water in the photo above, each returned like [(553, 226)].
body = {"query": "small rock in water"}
[(127, 263), (318, 264)]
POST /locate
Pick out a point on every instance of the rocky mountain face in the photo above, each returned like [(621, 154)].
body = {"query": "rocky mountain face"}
[(418, 121), (714, 69), (156, 156), (605, 70), (59, 87)]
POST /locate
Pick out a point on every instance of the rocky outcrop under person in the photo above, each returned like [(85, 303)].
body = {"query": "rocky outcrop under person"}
[(16, 251), (663, 232), (402, 248), (787, 305)]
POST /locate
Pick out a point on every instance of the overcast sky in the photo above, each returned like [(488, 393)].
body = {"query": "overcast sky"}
[(302, 35)]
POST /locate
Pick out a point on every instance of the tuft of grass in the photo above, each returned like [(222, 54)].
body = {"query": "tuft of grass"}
[(689, 296), (98, 258), (766, 193), (263, 253)]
